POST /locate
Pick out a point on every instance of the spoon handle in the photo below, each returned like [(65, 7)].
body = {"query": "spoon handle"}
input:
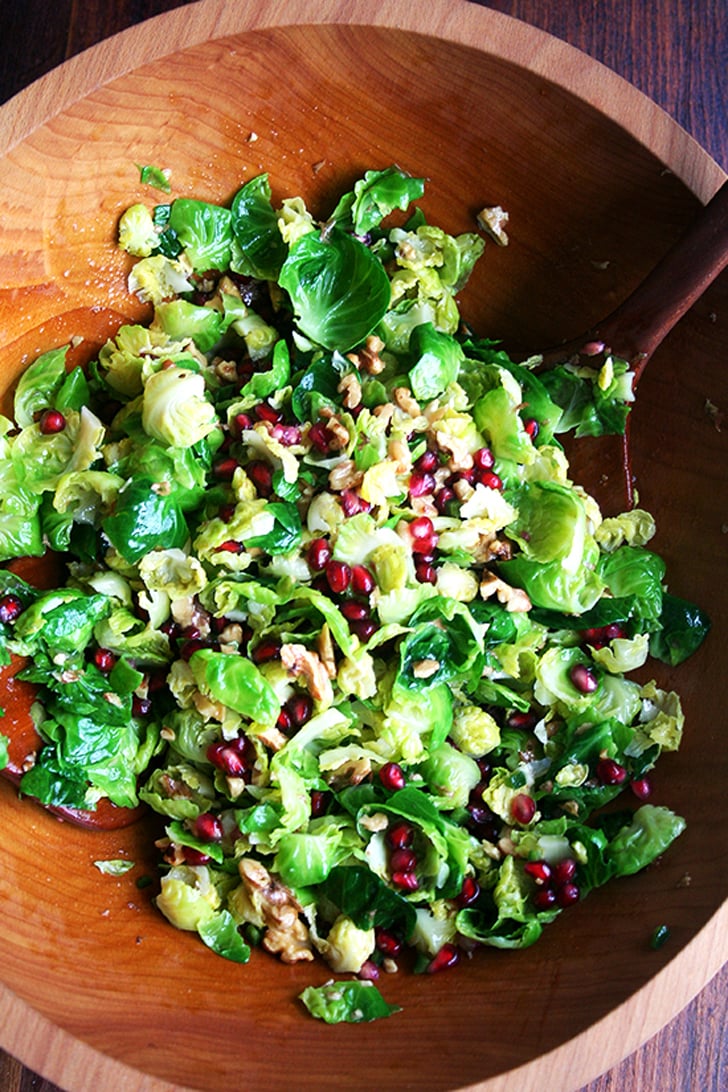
[(639, 324)]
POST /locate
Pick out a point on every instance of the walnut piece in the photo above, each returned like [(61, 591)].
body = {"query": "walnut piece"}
[(285, 935), (302, 662)]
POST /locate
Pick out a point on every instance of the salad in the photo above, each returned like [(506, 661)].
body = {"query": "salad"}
[(334, 609)]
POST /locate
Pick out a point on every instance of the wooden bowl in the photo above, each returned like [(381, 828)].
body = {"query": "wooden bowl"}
[(98, 991)]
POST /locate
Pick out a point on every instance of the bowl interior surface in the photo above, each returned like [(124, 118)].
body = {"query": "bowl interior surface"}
[(591, 209)]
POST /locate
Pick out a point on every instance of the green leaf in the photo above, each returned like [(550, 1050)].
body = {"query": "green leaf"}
[(39, 385), (236, 682), (260, 250), (154, 176), (683, 628), (375, 196), (143, 519), (220, 933), (338, 288), (346, 1002), (205, 232), (364, 898)]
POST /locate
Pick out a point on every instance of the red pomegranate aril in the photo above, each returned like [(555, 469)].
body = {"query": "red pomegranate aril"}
[(425, 572), (268, 649), (469, 892), (403, 860), (445, 501), (225, 468), (226, 512), (195, 857), (51, 421), (104, 660), (10, 608), (583, 678), (523, 808), (422, 533), (613, 631), (241, 422), (319, 802), (207, 827), (490, 479), (230, 546), (261, 475), (284, 722), (406, 881), (300, 709), (392, 776), (227, 758), (641, 787), (364, 629), (387, 943), (567, 895), (288, 435), (421, 483), (352, 504), (532, 427), (545, 898), (354, 612), (362, 581), (320, 436), (524, 721), (338, 576), (318, 554), (400, 835), (610, 772), (369, 971), (140, 707), (483, 459), (428, 462), (448, 956), (539, 871), (564, 871), (265, 412)]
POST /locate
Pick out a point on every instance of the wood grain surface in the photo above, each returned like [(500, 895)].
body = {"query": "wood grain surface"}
[(673, 50)]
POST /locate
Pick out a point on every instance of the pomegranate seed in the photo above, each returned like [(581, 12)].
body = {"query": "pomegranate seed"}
[(387, 943), (288, 435), (445, 501), (532, 427), (422, 533), (241, 422), (226, 513), (265, 412), (227, 758), (568, 895), (564, 871), (352, 503), (195, 856), (614, 630), (610, 772), (539, 871), (523, 808), (363, 629), (403, 860), (338, 576), (104, 660), (466, 475), (268, 649), (319, 802), (225, 468), (140, 707), (421, 483), (469, 892), (189, 648), (229, 546), (400, 835), (425, 572), (480, 813), (369, 971), (261, 475), (428, 462), (300, 709), (207, 827), (10, 608), (545, 899), (392, 776), (407, 881), (362, 581), (355, 612), (583, 678), (525, 721), (641, 787), (284, 722), (483, 459), (490, 479), (318, 554), (448, 956), (486, 771), (51, 421), (320, 436)]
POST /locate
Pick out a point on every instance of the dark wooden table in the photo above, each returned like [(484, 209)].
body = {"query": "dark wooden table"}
[(676, 51)]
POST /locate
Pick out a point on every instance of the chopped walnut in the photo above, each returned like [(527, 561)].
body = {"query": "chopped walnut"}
[(273, 738), (513, 599), (286, 935), (351, 772), (492, 220), (460, 456), (227, 370), (345, 476), (374, 822), (350, 387), (339, 432), (187, 613), (301, 661), (325, 648), (368, 358), (402, 397), (207, 708), (399, 453), (425, 669)]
